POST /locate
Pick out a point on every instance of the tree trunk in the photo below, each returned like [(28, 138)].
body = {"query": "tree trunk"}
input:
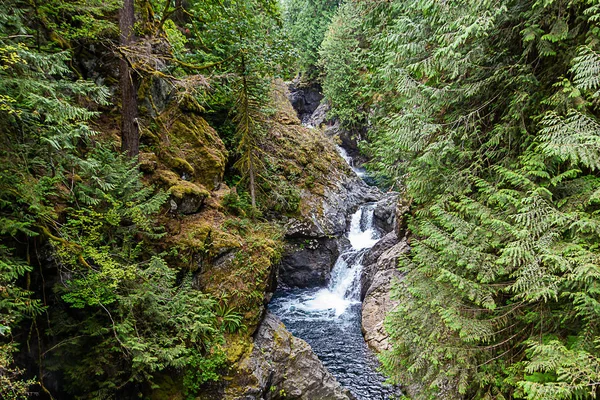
[(130, 134), (251, 172)]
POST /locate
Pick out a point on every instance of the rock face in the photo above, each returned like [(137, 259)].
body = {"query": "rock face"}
[(378, 275), (384, 215), (326, 201), (311, 249), (319, 116), (304, 98), (281, 366), (308, 262)]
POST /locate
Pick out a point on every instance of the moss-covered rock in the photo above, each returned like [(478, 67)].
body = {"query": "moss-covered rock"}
[(187, 145), (188, 196)]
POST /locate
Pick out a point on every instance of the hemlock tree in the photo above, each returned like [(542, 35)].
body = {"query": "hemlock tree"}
[(306, 22), (488, 113), (250, 123)]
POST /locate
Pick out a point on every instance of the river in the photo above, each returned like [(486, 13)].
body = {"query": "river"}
[(329, 318)]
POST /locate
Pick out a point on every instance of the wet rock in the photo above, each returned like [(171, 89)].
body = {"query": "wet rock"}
[(325, 205), (312, 248), (371, 257), (342, 200), (296, 228), (319, 116), (333, 130), (281, 366), (308, 261), (305, 98), (377, 280), (384, 215)]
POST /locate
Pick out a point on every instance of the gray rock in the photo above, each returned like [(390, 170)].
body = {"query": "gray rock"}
[(311, 251), (333, 130), (384, 215), (376, 305), (319, 116), (305, 98), (308, 262), (296, 228), (371, 257), (340, 202), (282, 366), (189, 203)]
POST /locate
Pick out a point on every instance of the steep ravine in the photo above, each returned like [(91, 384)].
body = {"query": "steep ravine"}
[(323, 305), (318, 352)]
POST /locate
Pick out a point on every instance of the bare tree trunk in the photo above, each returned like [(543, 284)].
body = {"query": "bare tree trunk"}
[(130, 134)]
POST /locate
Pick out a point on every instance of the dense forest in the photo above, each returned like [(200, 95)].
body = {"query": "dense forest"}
[(152, 171)]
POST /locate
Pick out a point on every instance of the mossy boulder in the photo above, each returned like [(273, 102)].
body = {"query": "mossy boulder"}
[(187, 145), (186, 197), (281, 366)]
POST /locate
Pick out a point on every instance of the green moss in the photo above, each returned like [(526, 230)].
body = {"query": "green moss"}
[(185, 143), (237, 347), (179, 164), (184, 188), (168, 388), (197, 147), (167, 177)]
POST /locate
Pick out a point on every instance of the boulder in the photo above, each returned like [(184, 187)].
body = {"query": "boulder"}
[(305, 98), (370, 260), (188, 197), (308, 262), (384, 215), (319, 116), (281, 366)]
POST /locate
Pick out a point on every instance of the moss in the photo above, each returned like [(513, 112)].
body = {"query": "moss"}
[(168, 388), (237, 347), (185, 143), (179, 164), (184, 188), (208, 238), (167, 177), (148, 161)]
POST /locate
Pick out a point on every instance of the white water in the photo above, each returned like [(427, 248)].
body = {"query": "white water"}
[(343, 289), (329, 318), (358, 171)]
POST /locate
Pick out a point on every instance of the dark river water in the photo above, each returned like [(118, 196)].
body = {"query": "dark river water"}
[(329, 318)]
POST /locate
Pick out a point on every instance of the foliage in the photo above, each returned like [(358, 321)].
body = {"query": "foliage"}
[(306, 22), (344, 67), (83, 285), (487, 112)]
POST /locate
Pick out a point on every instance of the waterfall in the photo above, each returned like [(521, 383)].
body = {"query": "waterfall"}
[(329, 318), (357, 170), (343, 289)]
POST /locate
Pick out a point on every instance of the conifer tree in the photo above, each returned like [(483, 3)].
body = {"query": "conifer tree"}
[(130, 135), (487, 112)]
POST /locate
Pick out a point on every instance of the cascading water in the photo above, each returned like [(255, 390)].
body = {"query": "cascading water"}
[(329, 318), (360, 171)]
